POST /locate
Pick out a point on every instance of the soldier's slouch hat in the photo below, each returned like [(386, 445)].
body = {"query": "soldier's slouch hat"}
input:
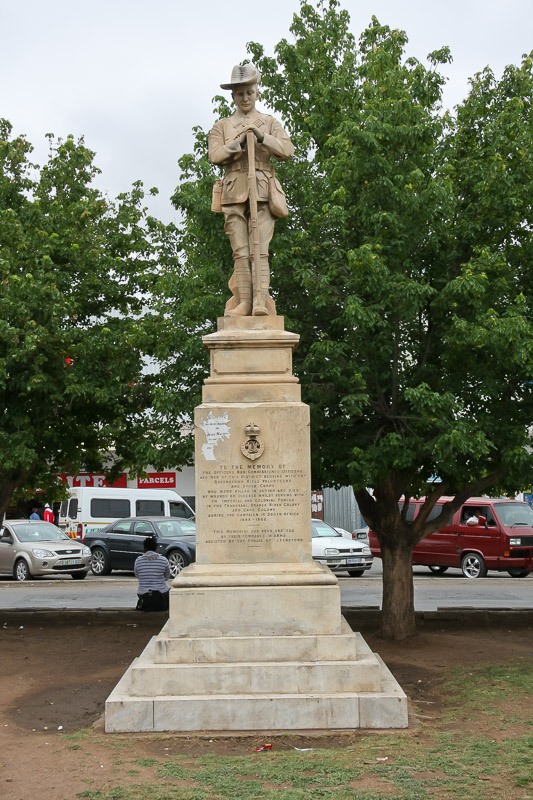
[(242, 75)]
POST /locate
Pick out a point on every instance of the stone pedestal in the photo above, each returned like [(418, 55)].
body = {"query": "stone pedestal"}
[(255, 639)]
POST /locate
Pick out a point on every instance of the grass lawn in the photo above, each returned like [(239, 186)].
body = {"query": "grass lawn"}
[(479, 745)]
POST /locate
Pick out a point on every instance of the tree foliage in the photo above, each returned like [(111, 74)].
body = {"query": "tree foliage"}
[(75, 270), (404, 267)]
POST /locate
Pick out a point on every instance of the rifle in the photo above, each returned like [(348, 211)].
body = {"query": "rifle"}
[(254, 245)]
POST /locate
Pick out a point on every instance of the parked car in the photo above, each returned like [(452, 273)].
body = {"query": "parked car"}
[(337, 552), (118, 545), (31, 548), (359, 533), (485, 533)]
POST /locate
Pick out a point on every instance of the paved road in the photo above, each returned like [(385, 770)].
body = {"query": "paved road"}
[(431, 592)]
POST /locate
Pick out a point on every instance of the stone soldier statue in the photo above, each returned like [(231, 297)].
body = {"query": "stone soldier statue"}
[(249, 195)]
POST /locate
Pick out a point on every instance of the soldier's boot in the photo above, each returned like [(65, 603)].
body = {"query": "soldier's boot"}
[(244, 289), (263, 303)]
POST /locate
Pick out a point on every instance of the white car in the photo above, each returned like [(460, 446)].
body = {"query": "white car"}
[(337, 552), (359, 533), (29, 548)]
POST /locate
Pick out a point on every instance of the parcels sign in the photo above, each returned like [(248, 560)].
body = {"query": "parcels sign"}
[(157, 480)]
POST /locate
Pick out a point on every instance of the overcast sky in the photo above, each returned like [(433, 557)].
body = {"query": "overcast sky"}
[(135, 76)]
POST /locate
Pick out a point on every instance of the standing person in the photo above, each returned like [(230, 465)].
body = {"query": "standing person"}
[(152, 571), (35, 514), (48, 515), (227, 147)]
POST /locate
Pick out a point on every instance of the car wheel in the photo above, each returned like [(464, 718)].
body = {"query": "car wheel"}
[(100, 562), (355, 573), (518, 573), (21, 571), (473, 566), (437, 570), (177, 562), (79, 576)]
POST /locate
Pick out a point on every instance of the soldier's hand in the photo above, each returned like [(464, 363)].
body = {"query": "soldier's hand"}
[(259, 135)]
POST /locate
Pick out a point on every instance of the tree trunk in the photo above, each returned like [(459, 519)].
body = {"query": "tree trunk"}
[(398, 610), (9, 482), (6, 493)]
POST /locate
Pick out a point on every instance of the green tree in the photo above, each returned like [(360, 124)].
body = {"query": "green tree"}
[(404, 267), (75, 271)]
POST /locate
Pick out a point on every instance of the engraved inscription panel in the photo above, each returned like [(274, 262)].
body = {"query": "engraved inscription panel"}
[(253, 495), (253, 511)]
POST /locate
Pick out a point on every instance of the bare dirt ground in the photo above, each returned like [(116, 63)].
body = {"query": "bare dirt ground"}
[(57, 670)]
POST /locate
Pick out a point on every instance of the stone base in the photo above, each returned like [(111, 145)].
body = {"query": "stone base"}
[(292, 682), (255, 640)]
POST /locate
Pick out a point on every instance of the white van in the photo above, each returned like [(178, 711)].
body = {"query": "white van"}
[(90, 508)]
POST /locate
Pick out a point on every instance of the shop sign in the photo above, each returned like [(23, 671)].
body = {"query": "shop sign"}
[(157, 480), (89, 479)]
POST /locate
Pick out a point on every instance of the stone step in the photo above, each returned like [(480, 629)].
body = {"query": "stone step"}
[(252, 678), (242, 713), (278, 712), (198, 650)]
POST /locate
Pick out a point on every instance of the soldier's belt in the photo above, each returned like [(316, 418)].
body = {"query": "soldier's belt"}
[(239, 166)]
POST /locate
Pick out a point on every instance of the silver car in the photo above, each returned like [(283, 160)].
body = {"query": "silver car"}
[(29, 548), (337, 552)]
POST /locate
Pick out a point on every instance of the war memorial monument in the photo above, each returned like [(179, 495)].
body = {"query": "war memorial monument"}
[(255, 639)]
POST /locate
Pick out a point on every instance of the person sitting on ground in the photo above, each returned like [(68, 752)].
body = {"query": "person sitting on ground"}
[(152, 571)]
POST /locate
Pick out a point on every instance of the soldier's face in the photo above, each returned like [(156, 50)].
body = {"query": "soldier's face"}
[(245, 98)]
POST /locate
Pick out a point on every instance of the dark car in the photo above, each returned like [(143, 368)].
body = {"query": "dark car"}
[(118, 545)]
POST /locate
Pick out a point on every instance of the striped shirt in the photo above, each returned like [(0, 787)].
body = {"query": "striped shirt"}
[(152, 570)]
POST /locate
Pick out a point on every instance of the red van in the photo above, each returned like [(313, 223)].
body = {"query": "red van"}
[(485, 533)]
